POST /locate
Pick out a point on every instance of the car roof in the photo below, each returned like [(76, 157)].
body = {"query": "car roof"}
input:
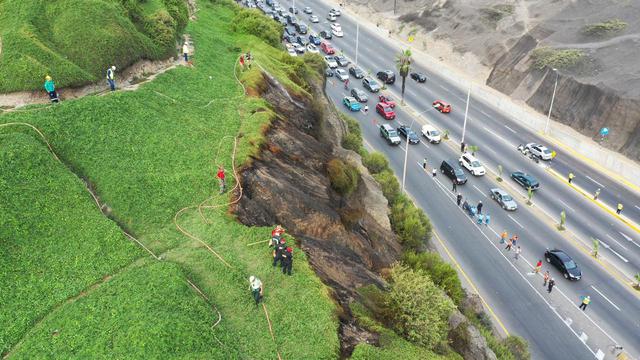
[(428, 127), (441, 102), (562, 255), (350, 98), (387, 126), (499, 191), (470, 156), (358, 91), (341, 71)]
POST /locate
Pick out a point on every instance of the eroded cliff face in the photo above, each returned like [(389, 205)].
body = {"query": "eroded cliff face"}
[(348, 240)]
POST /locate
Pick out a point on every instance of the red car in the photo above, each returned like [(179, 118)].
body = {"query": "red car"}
[(442, 106), (385, 110), (327, 48), (386, 99)]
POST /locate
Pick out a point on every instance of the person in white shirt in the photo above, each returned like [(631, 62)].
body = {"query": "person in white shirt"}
[(255, 285)]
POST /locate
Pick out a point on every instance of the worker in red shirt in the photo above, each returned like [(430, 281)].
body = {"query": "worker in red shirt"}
[(276, 235), (220, 177)]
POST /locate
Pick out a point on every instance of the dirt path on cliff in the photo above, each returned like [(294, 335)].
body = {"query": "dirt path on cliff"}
[(128, 79)]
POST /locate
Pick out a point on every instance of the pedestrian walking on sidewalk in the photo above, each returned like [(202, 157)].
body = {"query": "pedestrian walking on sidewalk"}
[(220, 175), (503, 237), (550, 286), (111, 77), (479, 207), (571, 176), (619, 209), (424, 163), (487, 219), (545, 277), (585, 301), (518, 251), (595, 196), (257, 290), (434, 172), (454, 187), (458, 199), (538, 267)]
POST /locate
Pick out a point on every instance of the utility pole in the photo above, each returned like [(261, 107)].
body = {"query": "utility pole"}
[(395, 2), (553, 96), (466, 111)]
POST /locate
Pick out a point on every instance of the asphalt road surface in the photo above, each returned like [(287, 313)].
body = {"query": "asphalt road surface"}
[(552, 323)]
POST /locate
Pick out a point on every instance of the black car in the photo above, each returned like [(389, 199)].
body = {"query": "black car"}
[(453, 171), (563, 263), (341, 60), (291, 20), (359, 95), (408, 134), (302, 40), (386, 76), (356, 72), (325, 34), (293, 10), (525, 180), (315, 39), (302, 28), (419, 77)]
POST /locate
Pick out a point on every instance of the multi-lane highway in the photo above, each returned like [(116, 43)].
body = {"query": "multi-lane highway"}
[(552, 323)]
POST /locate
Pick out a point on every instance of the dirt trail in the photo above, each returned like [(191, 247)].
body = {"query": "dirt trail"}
[(127, 80)]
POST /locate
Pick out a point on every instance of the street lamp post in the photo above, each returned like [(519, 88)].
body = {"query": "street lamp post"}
[(553, 96), (466, 112), (406, 155), (395, 2)]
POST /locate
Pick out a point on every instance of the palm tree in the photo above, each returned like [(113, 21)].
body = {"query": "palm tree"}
[(403, 63)]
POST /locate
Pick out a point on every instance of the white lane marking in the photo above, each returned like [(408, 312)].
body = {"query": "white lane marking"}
[(606, 246), (629, 238), (566, 205), (425, 144), (606, 298), (480, 191), (490, 131), (491, 150), (514, 220), (485, 114), (597, 183), (498, 136), (616, 241), (637, 207), (510, 129), (401, 147)]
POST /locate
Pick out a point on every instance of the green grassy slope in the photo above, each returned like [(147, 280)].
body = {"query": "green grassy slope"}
[(150, 153), (76, 40), (54, 240)]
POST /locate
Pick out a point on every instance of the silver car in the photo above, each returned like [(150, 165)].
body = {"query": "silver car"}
[(505, 200)]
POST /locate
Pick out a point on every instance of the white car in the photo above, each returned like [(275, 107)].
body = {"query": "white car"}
[(300, 49), (312, 49), (331, 62), (331, 17), (336, 26), (335, 12), (539, 151), (292, 51), (432, 134), (337, 33), (472, 164), (342, 74), (314, 19)]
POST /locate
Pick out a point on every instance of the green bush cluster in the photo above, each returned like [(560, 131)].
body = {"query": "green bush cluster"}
[(252, 22), (556, 58), (497, 12), (442, 273), (419, 310), (410, 223), (608, 27), (343, 176), (376, 162)]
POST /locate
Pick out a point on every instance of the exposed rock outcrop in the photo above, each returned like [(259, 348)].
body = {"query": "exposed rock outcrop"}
[(467, 340)]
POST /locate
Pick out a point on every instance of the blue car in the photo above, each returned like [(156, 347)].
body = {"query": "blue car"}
[(351, 103), (315, 39)]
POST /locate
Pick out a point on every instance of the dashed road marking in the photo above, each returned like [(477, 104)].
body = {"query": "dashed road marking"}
[(510, 129), (616, 241), (597, 183), (606, 246), (629, 239), (606, 298), (480, 191), (566, 205), (515, 221)]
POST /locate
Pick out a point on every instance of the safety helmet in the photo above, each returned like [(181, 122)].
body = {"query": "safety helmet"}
[(252, 278), (113, 67), (282, 241), (47, 77)]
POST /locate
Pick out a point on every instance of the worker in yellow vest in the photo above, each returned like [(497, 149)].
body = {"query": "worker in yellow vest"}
[(585, 301), (571, 176), (619, 210)]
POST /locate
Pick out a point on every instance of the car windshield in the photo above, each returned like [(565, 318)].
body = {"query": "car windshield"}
[(434, 133), (546, 151), (387, 109), (458, 172), (570, 265), (507, 197), (475, 163), (393, 133)]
